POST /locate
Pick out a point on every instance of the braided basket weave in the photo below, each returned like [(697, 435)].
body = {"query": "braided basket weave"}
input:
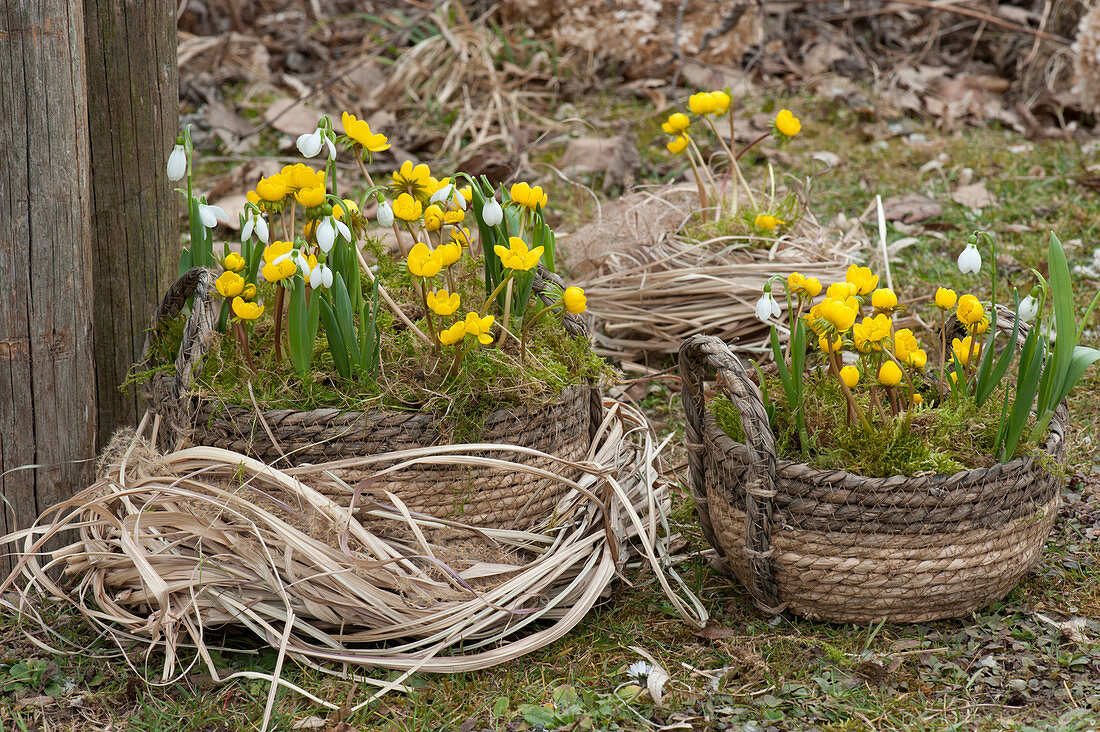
[(832, 545), (562, 427)]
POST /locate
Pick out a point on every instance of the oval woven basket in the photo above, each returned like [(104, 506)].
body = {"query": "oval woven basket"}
[(562, 426), (833, 545)]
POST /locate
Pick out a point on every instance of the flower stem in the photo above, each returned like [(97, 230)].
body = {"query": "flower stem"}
[(279, 322), (943, 353), (428, 313), (242, 339), (833, 358), (507, 314), (493, 296)]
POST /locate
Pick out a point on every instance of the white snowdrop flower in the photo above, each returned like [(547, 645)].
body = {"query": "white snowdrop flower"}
[(442, 194), (1029, 308), (970, 261), (492, 214), (385, 214), (177, 163), (211, 215), (342, 229), (321, 276), (288, 255), (254, 223), (331, 148), (262, 232), (326, 235), (767, 307), (310, 143), (639, 670)]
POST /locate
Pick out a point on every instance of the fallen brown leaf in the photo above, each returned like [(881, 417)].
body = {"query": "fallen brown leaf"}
[(974, 196), (911, 208)]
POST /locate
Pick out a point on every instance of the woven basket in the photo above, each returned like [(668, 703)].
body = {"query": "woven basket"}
[(562, 426), (833, 545)]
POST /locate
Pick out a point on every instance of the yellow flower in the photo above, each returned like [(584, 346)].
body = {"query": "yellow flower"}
[(702, 103), (962, 349), (253, 198), (433, 217), (918, 399), (247, 310), (905, 343), (767, 222), (454, 334), (884, 300), (234, 262), (946, 299), (300, 175), (359, 131), (787, 124), (574, 300), (310, 197), (480, 327), (871, 332), (407, 208), (889, 374), (352, 206), (799, 284), (460, 235), (850, 376), (272, 188), (838, 315), (862, 278), (830, 345), (529, 196), (972, 315), (442, 302), (414, 180), (676, 124), (840, 291), (517, 255), (721, 102), (918, 359), (249, 292), (677, 145), (278, 264), (450, 253), (423, 262), (230, 284), (454, 217)]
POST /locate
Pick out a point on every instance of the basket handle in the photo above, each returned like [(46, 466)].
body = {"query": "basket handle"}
[(698, 353), (198, 285)]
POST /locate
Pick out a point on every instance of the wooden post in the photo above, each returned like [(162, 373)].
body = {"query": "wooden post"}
[(47, 372), (133, 112)]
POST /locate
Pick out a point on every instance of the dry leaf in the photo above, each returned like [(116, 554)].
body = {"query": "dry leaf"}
[(292, 117), (310, 722), (974, 196), (615, 157), (911, 208), (716, 632)]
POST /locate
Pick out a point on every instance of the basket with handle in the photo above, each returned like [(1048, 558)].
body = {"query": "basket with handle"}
[(837, 546), (562, 426)]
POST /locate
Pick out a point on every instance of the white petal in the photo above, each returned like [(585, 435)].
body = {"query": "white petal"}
[(492, 214), (246, 230), (326, 236), (442, 194), (385, 214), (219, 213), (331, 149), (327, 281), (261, 229), (764, 307), (284, 257), (208, 218), (315, 277), (776, 311), (177, 163), (343, 229), (310, 144)]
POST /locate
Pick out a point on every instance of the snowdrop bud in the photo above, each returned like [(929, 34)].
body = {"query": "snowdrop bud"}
[(326, 235), (1029, 308), (492, 214), (310, 143), (321, 276), (970, 261), (385, 214), (211, 215), (177, 163), (767, 307)]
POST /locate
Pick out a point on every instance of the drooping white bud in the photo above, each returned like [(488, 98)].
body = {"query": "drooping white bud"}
[(321, 276), (385, 214), (767, 307), (970, 261), (177, 163), (326, 235), (310, 143), (492, 214), (1029, 308)]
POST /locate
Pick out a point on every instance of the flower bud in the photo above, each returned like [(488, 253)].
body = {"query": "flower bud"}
[(310, 143), (177, 163), (385, 214), (326, 235), (492, 214)]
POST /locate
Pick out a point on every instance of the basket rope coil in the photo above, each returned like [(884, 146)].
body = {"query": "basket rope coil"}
[(562, 426), (833, 545)]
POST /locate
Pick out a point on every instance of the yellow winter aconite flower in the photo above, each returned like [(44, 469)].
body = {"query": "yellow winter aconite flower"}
[(905, 343), (338, 209), (407, 208), (229, 284), (461, 236), (529, 196), (424, 262), (803, 285), (862, 278), (272, 188), (767, 222), (412, 179), (450, 253), (838, 315), (787, 124), (253, 198), (433, 217), (869, 334), (709, 103), (234, 262), (310, 197), (721, 102), (247, 310), (677, 145), (574, 300), (443, 303), (889, 374), (300, 175), (278, 265), (840, 291), (517, 256), (918, 359), (830, 346), (918, 399), (480, 327), (454, 217), (884, 300), (850, 376), (962, 349), (676, 124), (971, 313), (946, 299), (249, 292), (454, 334), (359, 131)]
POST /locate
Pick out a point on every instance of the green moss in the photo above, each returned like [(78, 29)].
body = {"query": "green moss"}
[(944, 438), (742, 225)]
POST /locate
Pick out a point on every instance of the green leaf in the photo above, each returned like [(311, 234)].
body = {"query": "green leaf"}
[(336, 341), (185, 261), (1027, 383), (1061, 292), (533, 715), (343, 311), (987, 384), (198, 236), (301, 345), (1079, 361)]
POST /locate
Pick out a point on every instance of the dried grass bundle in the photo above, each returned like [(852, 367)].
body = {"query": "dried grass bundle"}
[(172, 545), (651, 292)]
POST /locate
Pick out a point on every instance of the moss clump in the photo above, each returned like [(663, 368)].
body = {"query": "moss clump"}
[(742, 225), (943, 438)]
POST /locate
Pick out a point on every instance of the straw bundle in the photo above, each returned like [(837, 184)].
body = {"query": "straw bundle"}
[(171, 545), (654, 291)]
